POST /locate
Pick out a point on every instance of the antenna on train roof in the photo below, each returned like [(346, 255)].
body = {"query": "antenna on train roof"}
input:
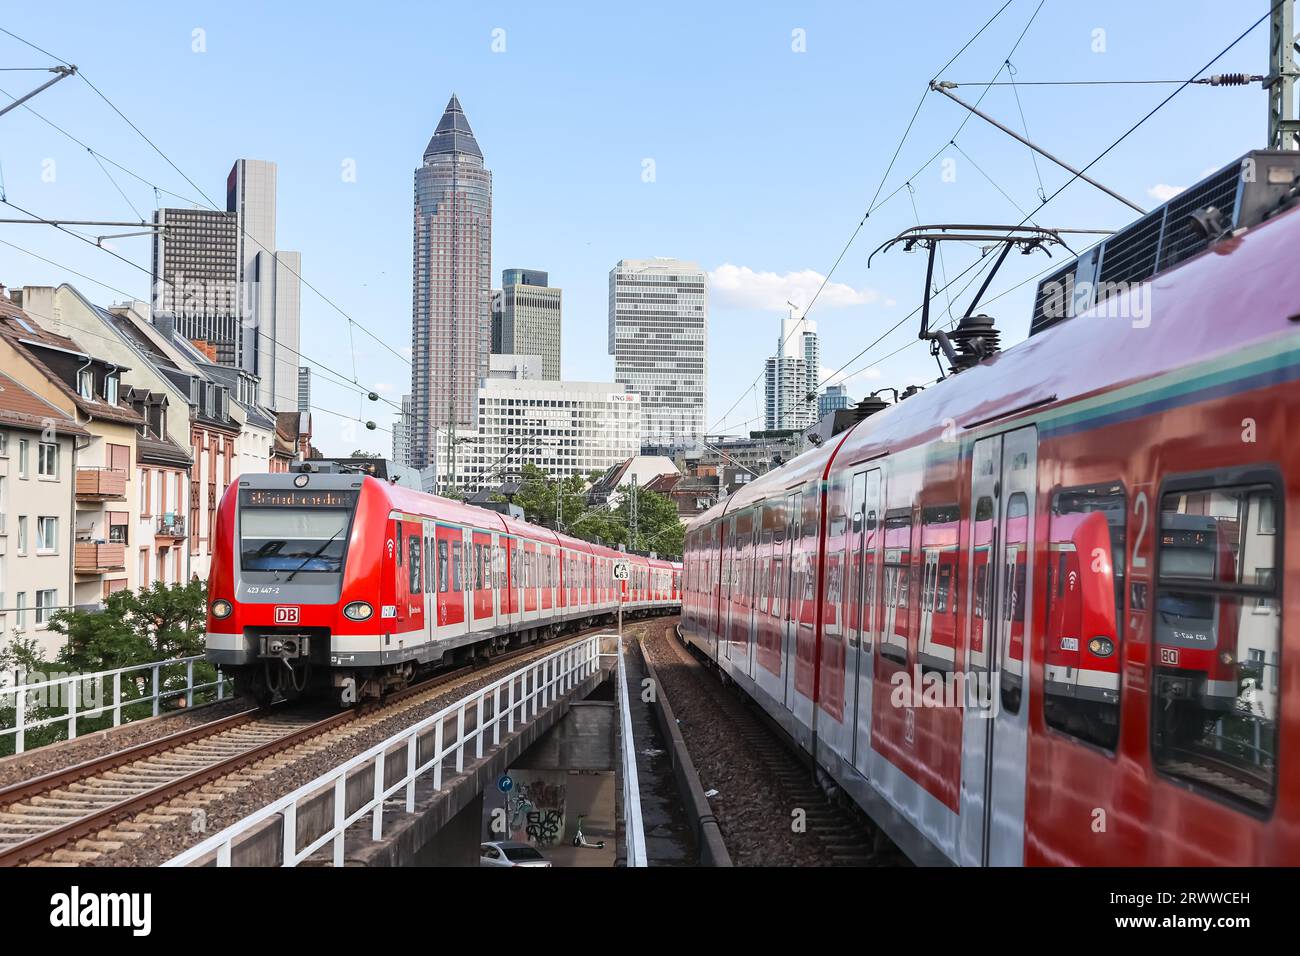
[(976, 337)]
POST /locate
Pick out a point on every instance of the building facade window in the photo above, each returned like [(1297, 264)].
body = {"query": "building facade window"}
[(21, 545), (47, 460), (47, 534), (22, 458), (46, 603)]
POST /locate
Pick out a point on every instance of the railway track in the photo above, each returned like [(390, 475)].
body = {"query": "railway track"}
[(844, 837), (70, 811)]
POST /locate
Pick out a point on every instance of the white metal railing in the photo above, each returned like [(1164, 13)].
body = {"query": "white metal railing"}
[(527, 691), (69, 691), (632, 823)]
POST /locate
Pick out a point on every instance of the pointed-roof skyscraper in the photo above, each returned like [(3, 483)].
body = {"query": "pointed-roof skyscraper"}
[(451, 308)]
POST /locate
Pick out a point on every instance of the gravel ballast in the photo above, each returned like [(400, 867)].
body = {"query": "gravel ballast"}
[(68, 753)]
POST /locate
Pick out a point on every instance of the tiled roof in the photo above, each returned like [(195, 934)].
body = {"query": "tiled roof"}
[(18, 329), (21, 408)]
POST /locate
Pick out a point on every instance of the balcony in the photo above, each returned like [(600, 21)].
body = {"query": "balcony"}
[(101, 484), (92, 558), (171, 526)]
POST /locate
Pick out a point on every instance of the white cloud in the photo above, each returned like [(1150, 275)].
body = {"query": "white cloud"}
[(1164, 192), (383, 388), (740, 287)]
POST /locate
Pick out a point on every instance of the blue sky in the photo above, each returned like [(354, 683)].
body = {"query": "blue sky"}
[(764, 158)]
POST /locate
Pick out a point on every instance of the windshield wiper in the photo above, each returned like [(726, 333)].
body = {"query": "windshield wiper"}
[(314, 555)]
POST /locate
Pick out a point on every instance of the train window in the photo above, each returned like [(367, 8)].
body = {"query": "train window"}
[(442, 565), (398, 535), (1015, 563), (1085, 612), (413, 542), (1218, 639), (428, 565), (456, 581), (938, 639), (981, 625), (479, 576), (898, 586)]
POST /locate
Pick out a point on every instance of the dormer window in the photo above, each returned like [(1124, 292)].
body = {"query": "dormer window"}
[(86, 384), (110, 389)]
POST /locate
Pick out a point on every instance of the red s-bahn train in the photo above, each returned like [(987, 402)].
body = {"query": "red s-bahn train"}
[(1043, 612), (346, 585)]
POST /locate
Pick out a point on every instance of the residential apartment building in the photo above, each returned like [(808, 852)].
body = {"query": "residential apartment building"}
[(38, 461), (155, 545), (89, 390), (791, 377)]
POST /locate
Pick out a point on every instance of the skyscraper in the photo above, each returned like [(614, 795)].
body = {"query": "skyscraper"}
[(452, 284), (658, 335), (304, 389), (402, 434), (530, 318), (220, 274), (791, 376), (833, 399)]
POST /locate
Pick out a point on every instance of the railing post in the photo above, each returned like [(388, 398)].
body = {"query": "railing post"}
[(221, 686), (496, 716), (410, 772), (377, 821), (510, 714), (289, 841), (340, 815), (478, 727), (155, 690), (460, 738), (117, 698), (20, 720), (72, 708), (189, 683), (437, 755), (223, 854)]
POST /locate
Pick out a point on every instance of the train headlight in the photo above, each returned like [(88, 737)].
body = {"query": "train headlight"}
[(358, 611), (1101, 646), (221, 608)]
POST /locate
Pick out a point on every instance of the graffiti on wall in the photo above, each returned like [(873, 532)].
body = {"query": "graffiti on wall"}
[(536, 811)]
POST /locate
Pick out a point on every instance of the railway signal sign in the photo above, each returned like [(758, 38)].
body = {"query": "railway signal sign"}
[(620, 571)]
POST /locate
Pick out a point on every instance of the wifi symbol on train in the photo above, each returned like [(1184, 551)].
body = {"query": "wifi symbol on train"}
[(1073, 578)]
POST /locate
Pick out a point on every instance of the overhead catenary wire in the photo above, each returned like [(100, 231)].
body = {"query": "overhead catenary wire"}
[(1105, 152), (873, 205), (334, 305)]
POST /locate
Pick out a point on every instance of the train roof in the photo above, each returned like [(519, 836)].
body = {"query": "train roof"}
[(408, 499), (1242, 291)]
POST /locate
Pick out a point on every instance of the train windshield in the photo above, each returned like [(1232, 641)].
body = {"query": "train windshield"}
[(295, 537)]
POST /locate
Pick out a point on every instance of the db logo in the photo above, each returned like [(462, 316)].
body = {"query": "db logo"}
[(909, 725), (286, 615), (1169, 655)]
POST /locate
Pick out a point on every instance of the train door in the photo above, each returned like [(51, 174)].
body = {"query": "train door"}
[(483, 610), (994, 725), (865, 543), (430, 529), (512, 579), (792, 592)]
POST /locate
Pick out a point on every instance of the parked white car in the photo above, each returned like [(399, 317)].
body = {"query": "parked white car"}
[(510, 853)]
